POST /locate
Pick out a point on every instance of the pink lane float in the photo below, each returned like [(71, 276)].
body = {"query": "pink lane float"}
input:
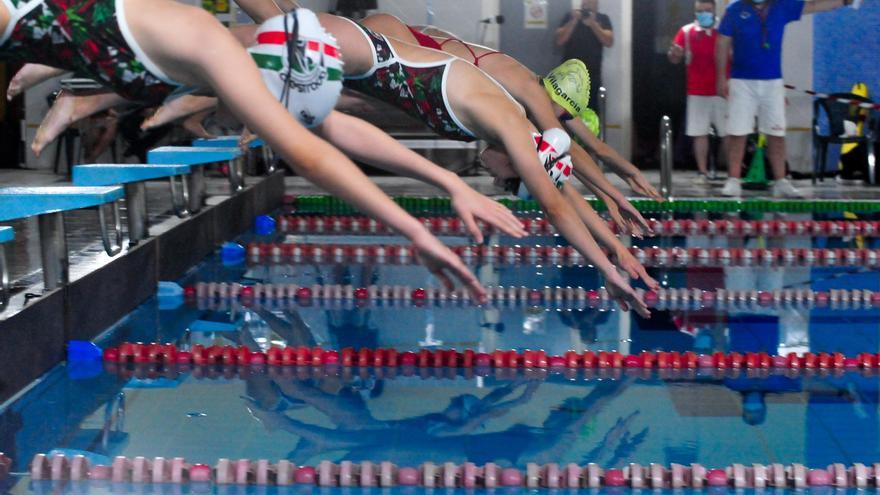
[(403, 254), (332, 224), (216, 294), (452, 475)]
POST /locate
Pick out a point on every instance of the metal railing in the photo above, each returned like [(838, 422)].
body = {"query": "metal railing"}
[(666, 157)]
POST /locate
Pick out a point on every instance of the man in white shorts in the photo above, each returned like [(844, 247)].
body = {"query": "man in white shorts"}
[(695, 44), (755, 29)]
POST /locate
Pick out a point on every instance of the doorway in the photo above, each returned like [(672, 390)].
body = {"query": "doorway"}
[(658, 86)]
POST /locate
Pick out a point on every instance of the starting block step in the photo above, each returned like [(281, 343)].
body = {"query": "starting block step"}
[(22, 202), (124, 173), (225, 142), (191, 155)]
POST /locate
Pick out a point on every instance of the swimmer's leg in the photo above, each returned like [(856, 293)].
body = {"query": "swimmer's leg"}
[(67, 110)]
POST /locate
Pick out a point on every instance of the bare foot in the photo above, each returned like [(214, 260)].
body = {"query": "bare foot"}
[(56, 121), (29, 76), (178, 108), (194, 125)]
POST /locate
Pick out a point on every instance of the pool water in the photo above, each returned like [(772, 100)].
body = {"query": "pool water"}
[(511, 417)]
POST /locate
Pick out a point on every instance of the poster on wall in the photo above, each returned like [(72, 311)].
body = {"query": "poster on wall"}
[(535, 14)]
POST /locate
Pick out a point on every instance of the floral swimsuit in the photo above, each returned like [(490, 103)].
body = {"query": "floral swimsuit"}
[(419, 89), (88, 37)]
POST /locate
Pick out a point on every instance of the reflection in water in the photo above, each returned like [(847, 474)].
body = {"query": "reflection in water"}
[(457, 431)]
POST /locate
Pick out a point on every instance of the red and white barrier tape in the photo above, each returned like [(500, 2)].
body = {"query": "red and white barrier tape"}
[(826, 96)]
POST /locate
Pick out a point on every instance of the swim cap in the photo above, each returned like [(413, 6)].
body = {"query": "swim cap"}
[(591, 120), (552, 147), (306, 79), (569, 86)]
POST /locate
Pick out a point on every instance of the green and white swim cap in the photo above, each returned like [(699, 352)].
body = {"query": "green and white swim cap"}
[(301, 64), (569, 86)]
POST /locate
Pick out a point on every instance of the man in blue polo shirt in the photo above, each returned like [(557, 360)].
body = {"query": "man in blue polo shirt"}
[(755, 29)]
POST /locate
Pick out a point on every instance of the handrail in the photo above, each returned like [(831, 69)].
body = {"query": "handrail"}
[(4, 281), (179, 196), (236, 173), (109, 247)]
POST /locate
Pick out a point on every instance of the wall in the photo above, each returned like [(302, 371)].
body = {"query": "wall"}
[(617, 74), (846, 49), (797, 61), (458, 16), (533, 47)]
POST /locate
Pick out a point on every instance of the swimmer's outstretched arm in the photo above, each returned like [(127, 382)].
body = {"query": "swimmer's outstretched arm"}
[(508, 127), (603, 235), (195, 49), (367, 143), (622, 167), (632, 222)]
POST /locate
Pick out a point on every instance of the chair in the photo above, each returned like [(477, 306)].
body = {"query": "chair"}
[(829, 115)]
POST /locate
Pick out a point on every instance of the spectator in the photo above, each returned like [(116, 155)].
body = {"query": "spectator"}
[(755, 29), (695, 44), (583, 34)]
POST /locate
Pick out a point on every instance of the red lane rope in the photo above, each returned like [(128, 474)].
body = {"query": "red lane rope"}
[(469, 358), (450, 474), (295, 224), (204, 293), (172, 371), (403, 254)]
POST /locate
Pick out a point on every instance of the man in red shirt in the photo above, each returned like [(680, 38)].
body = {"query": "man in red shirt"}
[(695, 44)]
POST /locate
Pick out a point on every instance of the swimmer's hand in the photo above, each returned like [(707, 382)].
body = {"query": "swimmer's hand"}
[(629, 221), (638, 226), (442, 262), (471, 205), (640, 185), (628, 263), (625, 296)]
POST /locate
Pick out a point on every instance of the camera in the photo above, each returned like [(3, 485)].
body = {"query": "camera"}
[(586, 14)]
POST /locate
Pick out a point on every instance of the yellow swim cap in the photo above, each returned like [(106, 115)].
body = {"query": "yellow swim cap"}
[(569, 86)]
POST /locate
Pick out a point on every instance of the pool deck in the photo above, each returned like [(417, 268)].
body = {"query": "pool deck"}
[(683, 187)]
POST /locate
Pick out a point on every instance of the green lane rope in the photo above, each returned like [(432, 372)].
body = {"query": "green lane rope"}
[(333, 206)]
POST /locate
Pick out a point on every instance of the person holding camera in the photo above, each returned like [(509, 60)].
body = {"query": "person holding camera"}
[(583, 34)]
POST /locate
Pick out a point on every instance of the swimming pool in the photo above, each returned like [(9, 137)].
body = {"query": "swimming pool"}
[(415, 412)]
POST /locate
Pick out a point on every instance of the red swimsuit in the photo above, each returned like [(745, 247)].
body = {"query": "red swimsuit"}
[(429, 42)]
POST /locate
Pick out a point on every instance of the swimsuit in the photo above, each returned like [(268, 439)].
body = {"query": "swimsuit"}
[(423, 39), (427, 41), (419, 89), (90, 38)]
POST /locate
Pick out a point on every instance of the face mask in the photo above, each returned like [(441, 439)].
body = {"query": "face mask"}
[(705, 19)]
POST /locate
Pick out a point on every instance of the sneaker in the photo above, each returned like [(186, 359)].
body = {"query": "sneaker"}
[(732, 187), (783, 188), (701, 180)]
